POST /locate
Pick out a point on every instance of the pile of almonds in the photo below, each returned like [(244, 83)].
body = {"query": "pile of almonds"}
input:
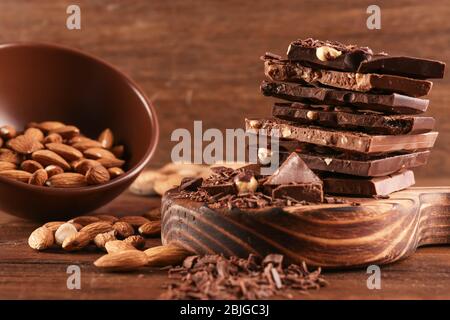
[(54, 154), (122, 238)]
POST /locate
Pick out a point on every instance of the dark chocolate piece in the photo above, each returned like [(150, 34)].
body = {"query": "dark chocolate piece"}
[(343, 140), (349, 57), (380, 186), (404, 66), (292, 170), (224, 189), (281, 70), (360, 121), (361, 59), (190, 184), (389, 103), (310, 192)]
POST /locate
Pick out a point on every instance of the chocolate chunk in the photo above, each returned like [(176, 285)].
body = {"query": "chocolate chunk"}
[(343, 140), (362, 59), (292, 170), (404, 66), (360, 121), (349, 59), (380, 186), (389, 103), (282, 70), (224, 189), (311, 192), (190, 184)]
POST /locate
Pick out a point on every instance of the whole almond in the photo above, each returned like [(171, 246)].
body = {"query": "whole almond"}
[(47, 157), (53, 138), (167, 255), (86, 144), (67, 180), (67, 132), (65, 230), (38, 178), (53, 170), (41, 239), (18, 175), (107, 217), (135, 221), (136, 241), (150, 229), (102, 238), (118, 151), (123, 229), (106, 138), (111, 162), (24, 144), (30, 166), (67, 152), (10, 156), (7, 132), (118, 245), (115, 172), (122, 261), (153, 214), (1, 142), (84, 220), (34, 133), (53, 225), (47, 126), (97, 175), (83, 166), (97, 153), (95, 228), (76, 241), (77, 226), (7, 166)]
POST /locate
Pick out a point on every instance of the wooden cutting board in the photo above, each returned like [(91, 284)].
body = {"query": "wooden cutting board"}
[(326, 235)]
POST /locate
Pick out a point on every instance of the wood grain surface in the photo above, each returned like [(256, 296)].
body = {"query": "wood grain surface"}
[(199, 60)]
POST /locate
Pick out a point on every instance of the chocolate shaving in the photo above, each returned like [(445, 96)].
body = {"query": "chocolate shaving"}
[(216, 277)]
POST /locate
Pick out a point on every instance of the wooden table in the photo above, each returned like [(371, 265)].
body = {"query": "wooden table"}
[(26, 274)]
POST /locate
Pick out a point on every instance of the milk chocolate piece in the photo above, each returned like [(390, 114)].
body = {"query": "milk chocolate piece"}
[(404, 66), (380, 186), (363, 60), (349, 59), (352, 120), (310, 192), (282, 70), (389, 103), (292, 170), (343, 140)]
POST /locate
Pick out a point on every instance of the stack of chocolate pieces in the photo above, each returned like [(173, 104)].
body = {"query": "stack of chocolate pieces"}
[(353, 116)]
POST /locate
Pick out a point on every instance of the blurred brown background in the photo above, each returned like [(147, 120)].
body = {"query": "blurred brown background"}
[(199, 60)]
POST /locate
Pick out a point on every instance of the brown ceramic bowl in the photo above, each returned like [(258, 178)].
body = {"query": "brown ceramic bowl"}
[(41, 82)]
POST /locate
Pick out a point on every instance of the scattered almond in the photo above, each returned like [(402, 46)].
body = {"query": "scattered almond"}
[(106, 138), (41, 239), (123, 229), (53, 170), (65, 230), (136, 241), (167, 255), (7, 166), (53, 225), (122, 260), (18, 175), (67, 180), (24, 144), (76, 241), (95, 228), (84, 220), (38, 178), (107, 217), (153, 215), (30, 166), (97, 175), (102, 238), (150, 229), (135, 221), (67, 152), (118, 245)]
